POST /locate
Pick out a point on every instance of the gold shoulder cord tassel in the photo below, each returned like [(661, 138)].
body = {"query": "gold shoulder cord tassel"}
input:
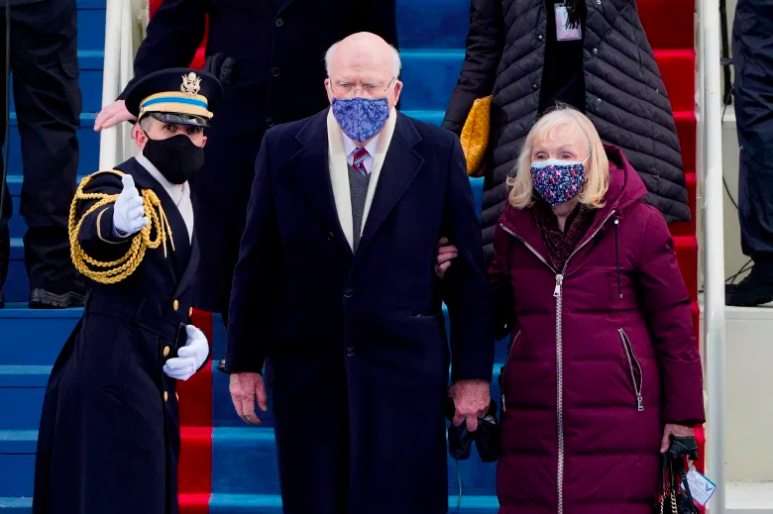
[(115, 271)]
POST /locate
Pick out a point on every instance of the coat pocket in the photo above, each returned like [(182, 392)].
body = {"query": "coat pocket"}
[(637, 376)]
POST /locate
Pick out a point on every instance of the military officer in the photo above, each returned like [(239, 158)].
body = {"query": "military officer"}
[(109, 434)]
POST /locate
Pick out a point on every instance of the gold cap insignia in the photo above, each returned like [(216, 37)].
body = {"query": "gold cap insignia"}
[(191, 84)]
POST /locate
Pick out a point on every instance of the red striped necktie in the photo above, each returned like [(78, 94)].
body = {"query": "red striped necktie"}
[(359, 161)]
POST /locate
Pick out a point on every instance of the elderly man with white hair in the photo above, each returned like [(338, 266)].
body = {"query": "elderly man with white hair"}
[(336, 294)]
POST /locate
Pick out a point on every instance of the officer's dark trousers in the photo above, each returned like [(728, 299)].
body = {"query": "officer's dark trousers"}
[(44, 67), (753, 58)]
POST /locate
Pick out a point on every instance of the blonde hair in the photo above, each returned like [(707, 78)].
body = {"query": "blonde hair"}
[(596, 185)]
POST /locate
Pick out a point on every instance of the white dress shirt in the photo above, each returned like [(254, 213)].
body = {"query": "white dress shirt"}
[(180, 194), (351, 146)]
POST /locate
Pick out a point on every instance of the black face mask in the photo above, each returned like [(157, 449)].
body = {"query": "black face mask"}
[(177, 158)]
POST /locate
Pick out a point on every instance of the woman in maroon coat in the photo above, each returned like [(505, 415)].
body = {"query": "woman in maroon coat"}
[(603, 366)]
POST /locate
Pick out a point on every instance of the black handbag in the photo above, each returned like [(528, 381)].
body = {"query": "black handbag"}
[(672, 499), (486, 438)]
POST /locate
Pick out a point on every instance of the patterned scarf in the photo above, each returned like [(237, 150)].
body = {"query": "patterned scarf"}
[(560, 245)]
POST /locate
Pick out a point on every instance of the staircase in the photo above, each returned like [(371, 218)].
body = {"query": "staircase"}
[(225, 466)]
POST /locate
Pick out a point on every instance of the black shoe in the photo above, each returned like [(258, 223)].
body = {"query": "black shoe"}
[(42, 299), (755, 289), (221, 364)]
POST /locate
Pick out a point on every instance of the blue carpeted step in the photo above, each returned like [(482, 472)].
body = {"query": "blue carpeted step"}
[(17, 462), (34, 337), (31, 341), (433, 23), (244, 463), (21, 397), (429, 77), (16, 505), (431, 117), (270, 504)]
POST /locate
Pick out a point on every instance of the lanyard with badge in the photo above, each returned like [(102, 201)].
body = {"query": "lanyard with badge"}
[(563, 31)]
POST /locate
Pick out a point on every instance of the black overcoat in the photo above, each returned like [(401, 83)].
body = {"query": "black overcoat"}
[(109, 437), (356, 343), (624, 94), (278, 76)]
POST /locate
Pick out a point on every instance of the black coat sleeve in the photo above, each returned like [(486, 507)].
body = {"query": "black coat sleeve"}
[(466, 290), (379, 17), (96, 235), (485, 42), (255, 283), (174, 35)]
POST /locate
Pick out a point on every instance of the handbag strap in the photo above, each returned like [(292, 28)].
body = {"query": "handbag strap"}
[(673, 474)]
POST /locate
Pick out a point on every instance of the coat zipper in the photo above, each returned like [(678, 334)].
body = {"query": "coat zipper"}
[(633, 361), (558, 294), (504, 370)]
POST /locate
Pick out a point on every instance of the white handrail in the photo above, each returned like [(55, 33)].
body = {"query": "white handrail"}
[(108, 140), (714, 248), (115, 145), (126, 146)]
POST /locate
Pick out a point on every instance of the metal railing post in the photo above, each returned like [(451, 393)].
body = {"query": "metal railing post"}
[(714, 248)]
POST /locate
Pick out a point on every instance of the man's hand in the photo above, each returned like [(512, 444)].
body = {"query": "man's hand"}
[(245, 389), (129, 210), (471, 400), (675, 430), (190, 357), (445, 254), (111, 115)]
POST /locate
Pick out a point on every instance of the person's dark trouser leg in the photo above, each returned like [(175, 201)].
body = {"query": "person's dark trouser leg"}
[(44, 62), (5, 239), (753, 59), (5, 215)]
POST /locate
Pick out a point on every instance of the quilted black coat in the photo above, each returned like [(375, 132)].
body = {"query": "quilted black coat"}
[(624, 94)]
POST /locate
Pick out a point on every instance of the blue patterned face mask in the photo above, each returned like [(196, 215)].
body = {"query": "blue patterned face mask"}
[(361, 118), (557, 181)]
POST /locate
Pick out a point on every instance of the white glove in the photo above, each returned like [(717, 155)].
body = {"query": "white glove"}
[(129, 210), (190, 357)]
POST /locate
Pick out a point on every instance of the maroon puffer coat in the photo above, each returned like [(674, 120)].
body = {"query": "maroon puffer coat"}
[(604, 355)]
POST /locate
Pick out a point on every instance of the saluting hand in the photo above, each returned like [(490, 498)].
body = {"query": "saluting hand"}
[(245, 389), (129, 211), (111, 115)]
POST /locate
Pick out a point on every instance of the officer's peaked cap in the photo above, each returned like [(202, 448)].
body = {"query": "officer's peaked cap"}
[(176, 95)]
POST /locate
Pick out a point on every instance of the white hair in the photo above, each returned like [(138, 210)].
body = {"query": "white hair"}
[(397, 63)]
